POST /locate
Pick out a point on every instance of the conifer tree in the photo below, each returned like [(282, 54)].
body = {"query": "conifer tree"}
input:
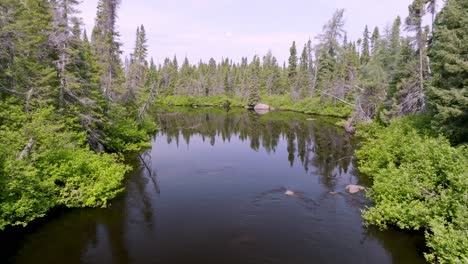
[(27, 67), (107, 48), (414, 24), (303, 81), (448, 91), (328, 51), (138, 68), (365, 53), (292, 66), (254, 84), (65, 40), (375, 39)]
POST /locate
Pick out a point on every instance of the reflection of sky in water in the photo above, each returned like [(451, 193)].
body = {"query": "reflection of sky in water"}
[(213, 191)]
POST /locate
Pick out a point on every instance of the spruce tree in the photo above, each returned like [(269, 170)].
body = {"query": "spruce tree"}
[(375, 39), (253, 80), (448, 91), (304, 61), (66, 42), (365, 53), (107, 48), (303, 81), (414, 23), (328, 51), (138, 69), (26, 58), (292, 66)]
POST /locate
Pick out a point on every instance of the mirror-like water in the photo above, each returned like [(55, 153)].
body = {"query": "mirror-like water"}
[(212, 189)]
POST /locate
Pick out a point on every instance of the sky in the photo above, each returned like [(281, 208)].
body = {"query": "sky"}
[(201, 29)]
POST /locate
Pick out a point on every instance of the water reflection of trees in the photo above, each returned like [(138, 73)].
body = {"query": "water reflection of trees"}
[(321, 147)]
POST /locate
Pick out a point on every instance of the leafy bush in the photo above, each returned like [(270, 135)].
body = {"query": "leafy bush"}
[(125, 134), (59, 170), (420, 182)]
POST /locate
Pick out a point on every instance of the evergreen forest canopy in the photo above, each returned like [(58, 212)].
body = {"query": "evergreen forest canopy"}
[(69, 107)]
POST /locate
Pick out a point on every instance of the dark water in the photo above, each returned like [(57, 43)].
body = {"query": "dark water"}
[(213, 191)]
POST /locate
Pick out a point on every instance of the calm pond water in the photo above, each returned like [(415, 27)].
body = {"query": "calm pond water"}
[(212, 190)]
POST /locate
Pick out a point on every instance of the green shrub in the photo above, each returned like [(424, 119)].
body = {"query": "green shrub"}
[(59, 170), (420, 182), (126, 134)]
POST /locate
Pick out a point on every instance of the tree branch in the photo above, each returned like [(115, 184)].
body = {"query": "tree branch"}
[(337, 98), (12, 91)]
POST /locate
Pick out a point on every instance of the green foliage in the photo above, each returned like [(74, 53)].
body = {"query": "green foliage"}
[(201, 101), (126, 134), (420, 182), (58, 170), (60, 108), (254, 96), (448, 93), (311, 105), (365, 54), (292, 67)]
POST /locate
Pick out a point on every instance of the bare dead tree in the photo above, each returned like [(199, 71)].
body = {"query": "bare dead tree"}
[(26, 150), (147, 102)]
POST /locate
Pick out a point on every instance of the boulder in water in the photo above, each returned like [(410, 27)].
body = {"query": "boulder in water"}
[(262, 107), (352, 188)]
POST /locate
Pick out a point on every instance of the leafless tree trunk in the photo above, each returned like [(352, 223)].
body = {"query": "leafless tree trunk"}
[(147, 102), (26, 150)]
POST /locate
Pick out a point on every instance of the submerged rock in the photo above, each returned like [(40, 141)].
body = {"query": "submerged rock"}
[(261, 111), (310, 119), (352, 188)]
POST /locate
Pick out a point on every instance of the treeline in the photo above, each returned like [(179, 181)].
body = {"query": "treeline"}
[(63, 108), (384, 74)]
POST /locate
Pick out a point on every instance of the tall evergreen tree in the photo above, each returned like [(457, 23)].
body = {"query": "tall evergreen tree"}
[(365, 53), (138, 68), (375, 39), (25, 56), (414, 24), (254, 84), (66, 30), (327, 54), (303, 79), (448, 91), (292, 66), (107, 48)]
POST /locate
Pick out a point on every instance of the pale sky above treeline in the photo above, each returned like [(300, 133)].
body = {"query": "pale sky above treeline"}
[(201, 29)]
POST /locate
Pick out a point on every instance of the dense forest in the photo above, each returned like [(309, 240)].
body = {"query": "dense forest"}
[(69, 108)]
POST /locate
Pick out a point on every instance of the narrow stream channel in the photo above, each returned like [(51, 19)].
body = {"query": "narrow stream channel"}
[(213, 189)]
